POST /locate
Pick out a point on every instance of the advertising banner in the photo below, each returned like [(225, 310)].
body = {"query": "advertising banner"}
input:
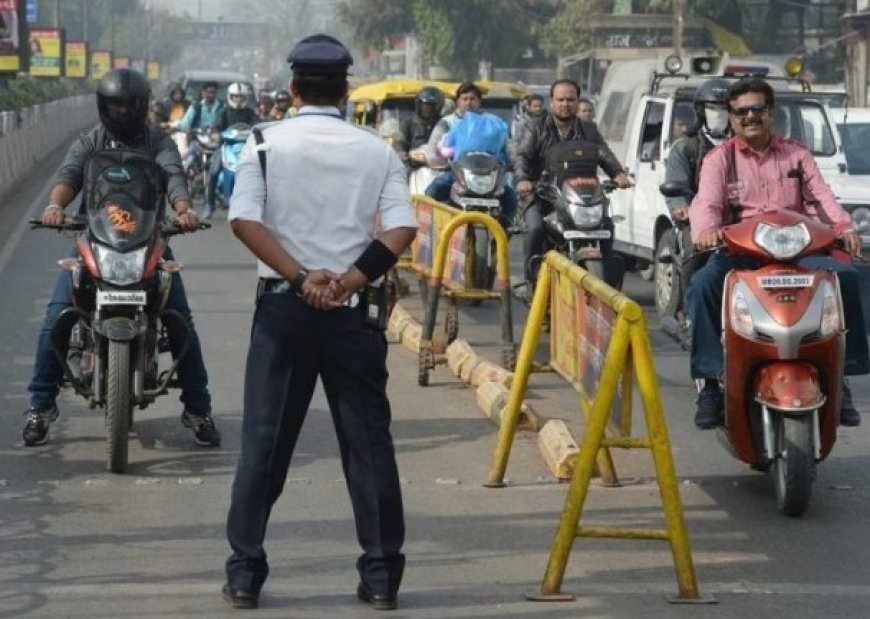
[(121, 62), (153, 71), (46, 52), (76, 65), (138, 64), (431, 221), (10, 36), (101, 63)]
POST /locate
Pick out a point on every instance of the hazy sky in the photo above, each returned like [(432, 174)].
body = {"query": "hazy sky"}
[(211, 9)]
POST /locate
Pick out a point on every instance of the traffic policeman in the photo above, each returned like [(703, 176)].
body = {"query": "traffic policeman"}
[(308, 210)]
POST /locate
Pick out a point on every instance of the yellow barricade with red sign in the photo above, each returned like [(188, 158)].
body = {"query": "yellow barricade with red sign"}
[(453, 255), (599, 343)]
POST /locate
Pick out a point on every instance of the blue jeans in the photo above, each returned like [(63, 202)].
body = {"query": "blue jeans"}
[(704, 304), (48, 373), (439, 189)]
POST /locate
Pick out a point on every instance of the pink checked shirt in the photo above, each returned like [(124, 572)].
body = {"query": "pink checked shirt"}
[(763, 182)]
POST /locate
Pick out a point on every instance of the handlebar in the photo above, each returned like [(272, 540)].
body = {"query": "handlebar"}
[(167, 228)]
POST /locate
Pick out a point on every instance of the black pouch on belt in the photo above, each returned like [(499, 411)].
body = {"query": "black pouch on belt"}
[(378, 300)]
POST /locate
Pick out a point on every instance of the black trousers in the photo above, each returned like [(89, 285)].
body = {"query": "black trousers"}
[(291, 345)]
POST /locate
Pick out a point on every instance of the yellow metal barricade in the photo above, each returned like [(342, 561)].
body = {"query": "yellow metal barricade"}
[(599, 342), (440, 256)]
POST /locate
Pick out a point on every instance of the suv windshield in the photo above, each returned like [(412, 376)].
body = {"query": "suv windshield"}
[(807, 122)]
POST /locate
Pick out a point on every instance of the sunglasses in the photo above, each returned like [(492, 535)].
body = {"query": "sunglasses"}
[(759, 109)]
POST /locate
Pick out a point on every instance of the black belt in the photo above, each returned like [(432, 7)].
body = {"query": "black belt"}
[(270, 285)]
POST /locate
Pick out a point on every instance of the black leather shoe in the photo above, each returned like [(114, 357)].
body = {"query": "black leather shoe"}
[(377, 600), (238, 598), (709, 412), (849, 415)]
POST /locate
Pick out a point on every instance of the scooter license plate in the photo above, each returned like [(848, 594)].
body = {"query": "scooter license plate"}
[(786, 281), (121, 297), (487, 202), (572, 235)]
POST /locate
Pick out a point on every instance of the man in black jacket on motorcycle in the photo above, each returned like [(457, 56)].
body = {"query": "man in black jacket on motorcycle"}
[(122, 99), (415, 130), (531, 156)]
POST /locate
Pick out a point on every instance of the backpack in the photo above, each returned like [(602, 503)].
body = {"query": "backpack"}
[(477, 132), (123, 176)]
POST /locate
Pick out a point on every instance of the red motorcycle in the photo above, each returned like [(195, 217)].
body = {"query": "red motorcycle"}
[(784, 340)]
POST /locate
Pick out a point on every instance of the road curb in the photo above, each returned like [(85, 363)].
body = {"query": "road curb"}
[(557, 446)]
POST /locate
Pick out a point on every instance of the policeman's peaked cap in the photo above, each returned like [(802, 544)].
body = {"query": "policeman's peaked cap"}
[(320, 54)]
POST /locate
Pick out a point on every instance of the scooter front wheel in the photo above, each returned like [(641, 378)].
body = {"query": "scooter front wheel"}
[(794, 467)]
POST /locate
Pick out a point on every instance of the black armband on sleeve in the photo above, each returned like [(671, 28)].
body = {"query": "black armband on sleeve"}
[(376, 260)]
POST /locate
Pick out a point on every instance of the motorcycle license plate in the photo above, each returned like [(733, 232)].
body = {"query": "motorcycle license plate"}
[(786, 281), (121, 297), (572, 235), (487, 202)]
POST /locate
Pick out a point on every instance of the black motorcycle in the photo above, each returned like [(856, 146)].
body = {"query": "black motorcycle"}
[(120, 282), (580, 227), (478, 187)]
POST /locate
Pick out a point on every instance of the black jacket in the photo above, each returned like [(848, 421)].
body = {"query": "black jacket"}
[(540, 134), (229, 116), (414, 133)]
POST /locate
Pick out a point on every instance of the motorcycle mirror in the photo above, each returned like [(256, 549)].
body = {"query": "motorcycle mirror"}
[(674, 189)]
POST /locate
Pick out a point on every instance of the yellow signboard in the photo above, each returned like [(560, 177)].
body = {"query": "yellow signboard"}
[(46, 52), (153, 71), (101, 63), (10, 38), (76, 64)]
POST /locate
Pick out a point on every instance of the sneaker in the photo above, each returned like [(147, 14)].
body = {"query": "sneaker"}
[(36, 427), (849, 415), (710, 403), (204, 431)]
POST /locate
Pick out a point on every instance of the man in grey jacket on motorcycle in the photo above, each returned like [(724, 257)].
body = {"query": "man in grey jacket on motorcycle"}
[(122, 99), (531, 155)]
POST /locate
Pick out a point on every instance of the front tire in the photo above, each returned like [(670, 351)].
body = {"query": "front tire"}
[(118, 406), (794, 470), (668, 288)]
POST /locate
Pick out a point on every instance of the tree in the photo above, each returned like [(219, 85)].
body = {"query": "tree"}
[(454, 33)]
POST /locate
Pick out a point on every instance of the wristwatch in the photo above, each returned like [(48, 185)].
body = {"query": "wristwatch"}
[(301, 276)]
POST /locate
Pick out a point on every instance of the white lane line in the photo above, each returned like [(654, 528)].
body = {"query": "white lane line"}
[(15, 237)]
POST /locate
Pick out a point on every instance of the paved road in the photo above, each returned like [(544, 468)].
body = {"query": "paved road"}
[(76, 541)]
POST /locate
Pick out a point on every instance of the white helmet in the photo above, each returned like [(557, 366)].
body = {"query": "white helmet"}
[(237, 95)]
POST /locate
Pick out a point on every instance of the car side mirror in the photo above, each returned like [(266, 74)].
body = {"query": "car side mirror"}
[(674, 189)]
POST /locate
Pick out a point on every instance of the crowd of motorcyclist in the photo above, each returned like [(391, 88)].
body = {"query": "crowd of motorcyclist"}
[(198, 126)]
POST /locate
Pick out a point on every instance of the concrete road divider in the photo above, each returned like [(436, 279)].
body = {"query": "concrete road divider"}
[(558, 447), (492, 398)]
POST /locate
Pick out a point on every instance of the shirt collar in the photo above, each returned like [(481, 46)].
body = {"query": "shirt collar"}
[(776, 143), (319, 109)]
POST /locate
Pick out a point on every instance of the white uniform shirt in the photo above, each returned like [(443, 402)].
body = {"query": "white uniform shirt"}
[(331, 186)]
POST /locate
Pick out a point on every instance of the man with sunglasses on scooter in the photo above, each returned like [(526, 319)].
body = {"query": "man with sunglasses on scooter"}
[(755, 171)]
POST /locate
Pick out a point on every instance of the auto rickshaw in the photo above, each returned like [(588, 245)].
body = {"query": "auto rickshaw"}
[(502, 98), (383, 105)]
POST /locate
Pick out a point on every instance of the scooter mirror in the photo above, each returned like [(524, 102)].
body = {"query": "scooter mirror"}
[(674, 189)]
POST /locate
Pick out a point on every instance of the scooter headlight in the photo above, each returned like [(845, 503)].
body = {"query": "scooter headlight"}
[(832, 316), (121, 269), (481, 183), (586, 216), (741, 318), (782, 243)]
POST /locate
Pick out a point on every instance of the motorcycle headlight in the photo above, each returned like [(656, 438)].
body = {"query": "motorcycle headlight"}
[(480, 183), (741, 318), (121, 269), (832, 317), (586, 216), (782, 243)]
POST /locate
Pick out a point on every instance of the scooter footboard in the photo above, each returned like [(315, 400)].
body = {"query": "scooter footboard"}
[(791, 386)]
